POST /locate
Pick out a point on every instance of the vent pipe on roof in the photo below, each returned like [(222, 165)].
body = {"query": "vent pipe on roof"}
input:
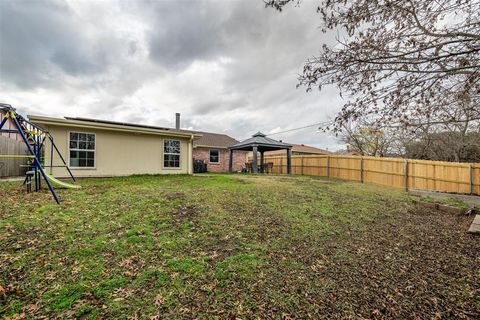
[(177, 121)]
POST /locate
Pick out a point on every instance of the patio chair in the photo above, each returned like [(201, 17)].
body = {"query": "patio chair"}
[(269, 167), (248, 167)]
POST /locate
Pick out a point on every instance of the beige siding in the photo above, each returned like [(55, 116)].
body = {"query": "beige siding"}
[(119, 153)]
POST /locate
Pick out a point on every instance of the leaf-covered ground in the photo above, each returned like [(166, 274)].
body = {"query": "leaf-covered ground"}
[(226, 247)]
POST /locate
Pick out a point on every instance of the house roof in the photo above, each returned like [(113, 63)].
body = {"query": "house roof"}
[(216, 140), (301, 148), (112, 125), (262, 142), (346, 152)]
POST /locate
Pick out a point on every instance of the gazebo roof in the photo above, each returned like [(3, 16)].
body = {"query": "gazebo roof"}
[(262, 142)]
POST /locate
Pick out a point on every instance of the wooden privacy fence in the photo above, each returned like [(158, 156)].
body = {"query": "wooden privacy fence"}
[(453, 177), (10, 167)]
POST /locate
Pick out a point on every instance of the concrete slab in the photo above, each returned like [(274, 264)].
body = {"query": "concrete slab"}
[(470, 200), (477, 219), (440, 207), (475, 227)]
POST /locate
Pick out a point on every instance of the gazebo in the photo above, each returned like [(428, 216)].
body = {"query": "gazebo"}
[(259, 142)]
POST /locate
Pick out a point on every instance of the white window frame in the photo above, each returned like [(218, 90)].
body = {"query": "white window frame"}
[(179, 155), (209, 157), (94, 152)]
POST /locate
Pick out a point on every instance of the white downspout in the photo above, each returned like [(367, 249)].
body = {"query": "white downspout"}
[(190, 155)]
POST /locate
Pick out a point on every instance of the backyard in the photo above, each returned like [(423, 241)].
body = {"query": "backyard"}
[(233, 246)]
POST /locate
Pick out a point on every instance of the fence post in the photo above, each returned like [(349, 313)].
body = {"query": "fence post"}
[(471, 178), (361, 169), (406, 174), (302, 165), (328, 166)]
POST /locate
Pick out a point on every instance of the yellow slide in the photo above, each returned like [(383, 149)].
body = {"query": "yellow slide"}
[(61, 183)]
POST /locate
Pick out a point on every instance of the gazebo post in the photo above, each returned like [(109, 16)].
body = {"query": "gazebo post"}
[(289, 161), (262, 160), (254, 162), (230, 161)]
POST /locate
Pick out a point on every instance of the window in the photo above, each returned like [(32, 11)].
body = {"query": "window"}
[(82, 150), (214, 156), (171, 154)]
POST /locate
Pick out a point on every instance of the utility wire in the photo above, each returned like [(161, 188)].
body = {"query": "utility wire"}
[(319, 124), (300, 128)]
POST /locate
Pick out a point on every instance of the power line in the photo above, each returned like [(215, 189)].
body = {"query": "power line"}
[(300, 128)]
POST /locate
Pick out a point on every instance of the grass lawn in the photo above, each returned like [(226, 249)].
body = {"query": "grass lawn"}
[(226, 247)]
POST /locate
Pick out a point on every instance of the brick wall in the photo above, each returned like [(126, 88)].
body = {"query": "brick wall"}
[(239, 159)]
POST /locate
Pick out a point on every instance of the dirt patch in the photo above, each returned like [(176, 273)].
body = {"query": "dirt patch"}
[(97, 189), (244, 181), (216, 253), (175, 196), (185, 212)]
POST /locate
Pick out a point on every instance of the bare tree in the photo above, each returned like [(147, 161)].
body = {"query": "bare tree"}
[(447, 142), (406, 62), (445, 146), (367, 139), (455, 141)]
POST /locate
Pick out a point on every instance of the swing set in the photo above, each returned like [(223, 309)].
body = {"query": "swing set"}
[(35, 139)]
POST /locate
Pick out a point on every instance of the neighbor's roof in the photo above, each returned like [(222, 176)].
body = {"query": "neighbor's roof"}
[(347, 152), (216, 140), (111, 125), (301, 148), (260, 139)]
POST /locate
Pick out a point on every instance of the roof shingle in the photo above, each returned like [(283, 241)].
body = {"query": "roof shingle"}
[(217, 140), (260, 139)]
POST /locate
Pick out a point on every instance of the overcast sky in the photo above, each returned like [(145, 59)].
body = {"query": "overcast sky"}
[(226, 66)]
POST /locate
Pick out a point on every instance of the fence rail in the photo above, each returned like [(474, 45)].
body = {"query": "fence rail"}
[(453, 177), (11, 167)]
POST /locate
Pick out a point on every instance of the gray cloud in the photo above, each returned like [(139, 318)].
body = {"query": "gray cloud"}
[(227, 66), (38, 37), (185, 31)]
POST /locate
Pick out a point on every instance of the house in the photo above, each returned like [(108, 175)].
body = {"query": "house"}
[(297, 149), (211, 148), (96, 148)]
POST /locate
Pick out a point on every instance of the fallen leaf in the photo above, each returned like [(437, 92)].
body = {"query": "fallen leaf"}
[(158, 301)]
